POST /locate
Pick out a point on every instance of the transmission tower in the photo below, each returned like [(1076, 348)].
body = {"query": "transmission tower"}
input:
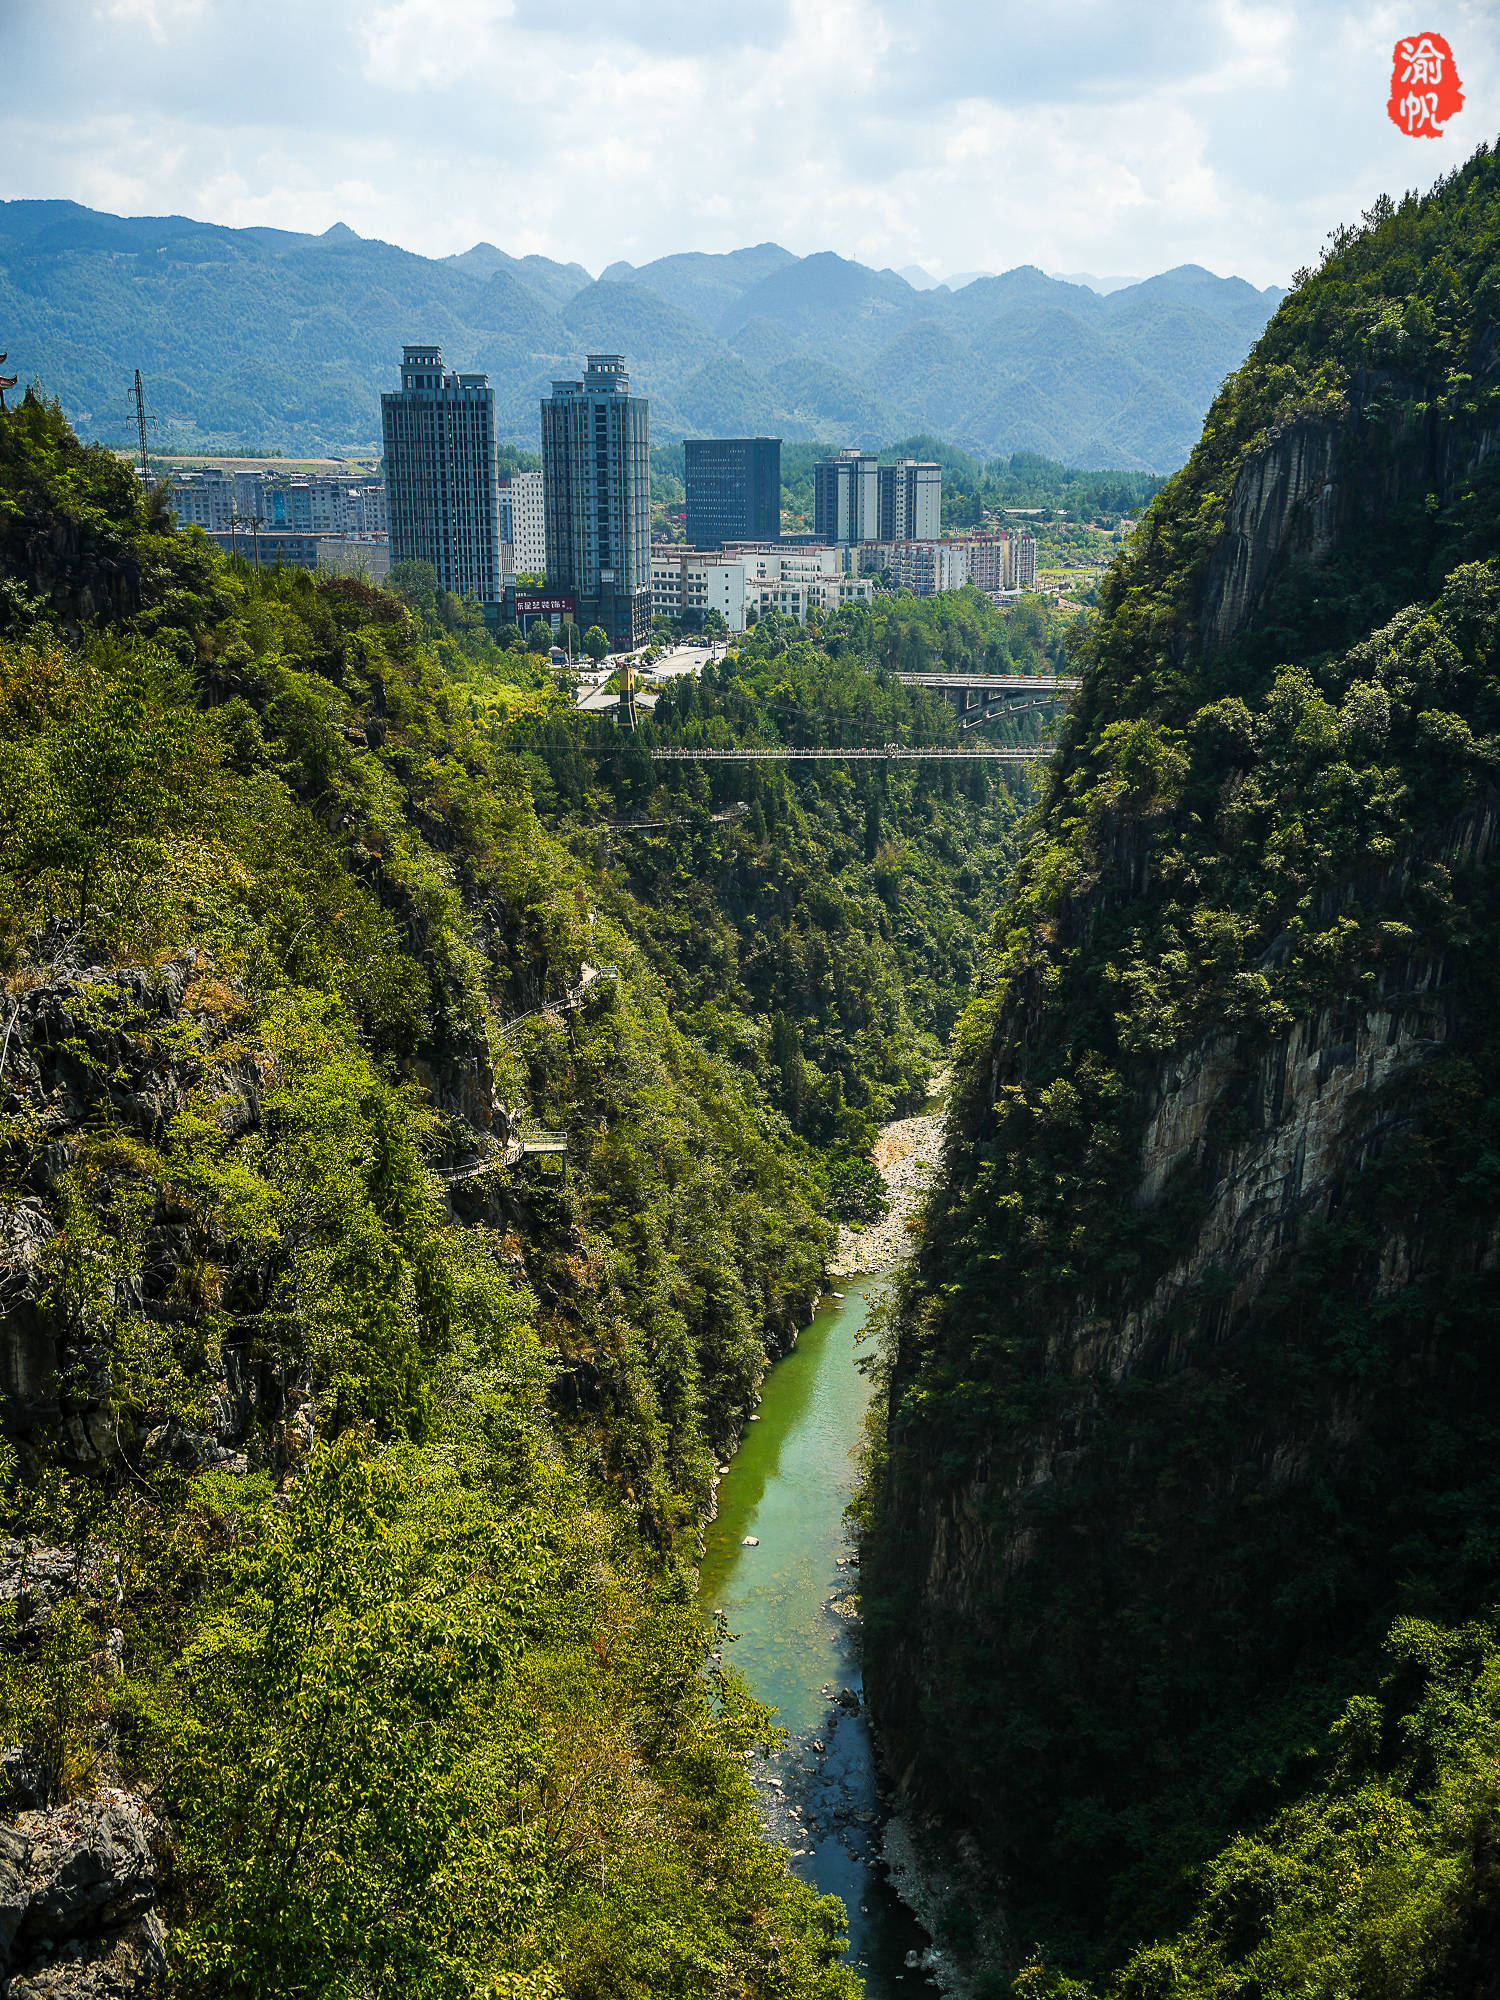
[(141, 421)]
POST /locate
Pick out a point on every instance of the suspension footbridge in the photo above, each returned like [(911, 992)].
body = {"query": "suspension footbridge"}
[(888, 753)]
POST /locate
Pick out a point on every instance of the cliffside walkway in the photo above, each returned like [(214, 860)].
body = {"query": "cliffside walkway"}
[(527, 1145)]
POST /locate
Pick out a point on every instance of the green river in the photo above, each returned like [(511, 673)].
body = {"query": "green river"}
[(787, 1488)]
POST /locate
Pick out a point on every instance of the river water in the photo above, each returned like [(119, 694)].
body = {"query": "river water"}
[(787, 1488)]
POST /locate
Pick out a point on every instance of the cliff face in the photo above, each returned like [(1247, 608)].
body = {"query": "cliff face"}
[(132, 1050), (1194, 1387)]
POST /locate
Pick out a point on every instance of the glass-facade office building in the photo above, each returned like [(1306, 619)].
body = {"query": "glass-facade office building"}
[(441, 474), (733, 490)]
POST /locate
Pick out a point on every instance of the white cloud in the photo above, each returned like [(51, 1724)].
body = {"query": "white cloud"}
[(966, 134), (157, 17)]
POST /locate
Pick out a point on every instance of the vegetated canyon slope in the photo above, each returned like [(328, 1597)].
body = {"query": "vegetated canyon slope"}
[(1181, 1570), (351, 1468), (275, 341)]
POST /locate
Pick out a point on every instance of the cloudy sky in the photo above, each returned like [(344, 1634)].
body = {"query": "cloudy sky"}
[(1109, 136)]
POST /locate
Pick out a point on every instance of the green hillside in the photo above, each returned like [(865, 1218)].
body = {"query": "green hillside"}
[(265, 340), (353, 1460)]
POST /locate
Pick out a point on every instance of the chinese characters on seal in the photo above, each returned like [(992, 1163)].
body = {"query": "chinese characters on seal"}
[(1426, 90)]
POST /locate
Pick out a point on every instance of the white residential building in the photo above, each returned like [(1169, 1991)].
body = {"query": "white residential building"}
[(924, 568), (523, 521), (689, 583), (751, 577), (911, 501), (1020, 570), (211, 497), (857, 499), (846, 497), (797, 581), (202, 499)]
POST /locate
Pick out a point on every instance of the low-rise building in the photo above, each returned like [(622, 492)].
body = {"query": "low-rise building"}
[(748, 577), (368, 556), (686, 584), (296, 548), (797, 581), (924, 568), (301, 548)]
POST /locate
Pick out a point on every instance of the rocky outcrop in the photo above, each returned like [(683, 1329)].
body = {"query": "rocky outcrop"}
[(78, 1902), (1318, 481), (1284, 508)]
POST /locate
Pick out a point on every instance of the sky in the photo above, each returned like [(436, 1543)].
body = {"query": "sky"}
[(1103, 136)]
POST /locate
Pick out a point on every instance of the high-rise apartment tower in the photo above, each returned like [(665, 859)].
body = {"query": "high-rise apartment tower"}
[(856, 499), (733, 490), (439, 433), (596, 472), (846, 497), (911, 501)]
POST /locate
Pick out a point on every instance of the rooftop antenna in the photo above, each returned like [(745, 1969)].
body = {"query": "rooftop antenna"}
[(6, 381), (141, 421)]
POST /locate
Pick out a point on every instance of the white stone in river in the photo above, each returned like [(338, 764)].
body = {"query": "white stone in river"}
[(750, 1542)]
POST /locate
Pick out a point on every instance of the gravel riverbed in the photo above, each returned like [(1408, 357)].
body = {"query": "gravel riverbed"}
[(907, 1155)]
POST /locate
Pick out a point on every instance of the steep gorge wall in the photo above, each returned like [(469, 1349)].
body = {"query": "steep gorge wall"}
[(1194, 1389)]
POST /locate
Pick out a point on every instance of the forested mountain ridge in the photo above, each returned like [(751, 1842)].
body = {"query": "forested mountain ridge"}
[(351, 1468), (264, 339), (1183, 1529)]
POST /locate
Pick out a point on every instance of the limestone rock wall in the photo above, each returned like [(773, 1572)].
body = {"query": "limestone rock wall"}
[(78, 1902)]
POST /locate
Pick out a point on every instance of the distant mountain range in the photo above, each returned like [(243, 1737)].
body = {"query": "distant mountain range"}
[(267, 340)]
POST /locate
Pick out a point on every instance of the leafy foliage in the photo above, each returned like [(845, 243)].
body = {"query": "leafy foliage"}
[(435, 1714)]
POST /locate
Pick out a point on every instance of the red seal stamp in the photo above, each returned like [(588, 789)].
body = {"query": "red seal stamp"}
[(1425, 87)]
